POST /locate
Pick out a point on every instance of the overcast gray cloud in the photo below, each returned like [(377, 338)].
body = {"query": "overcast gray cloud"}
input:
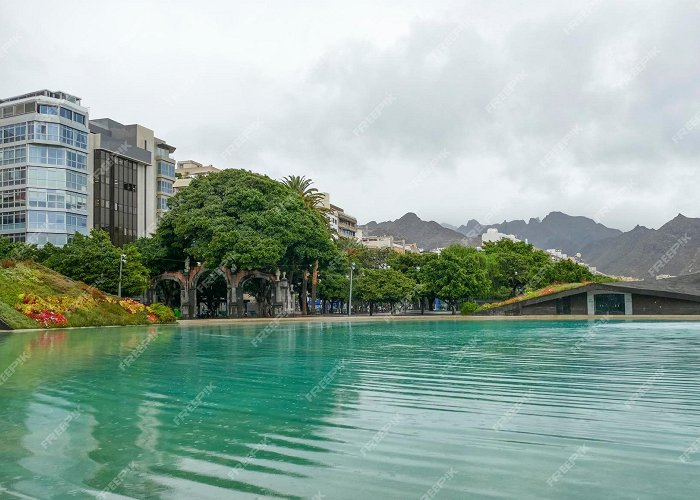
[(454, 110)]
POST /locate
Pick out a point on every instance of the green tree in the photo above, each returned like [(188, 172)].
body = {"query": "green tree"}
[(514, 265), (94, 260), (457, 274), (413, 266), (243, 220), (565, 271), (384, 286), (333, 284)]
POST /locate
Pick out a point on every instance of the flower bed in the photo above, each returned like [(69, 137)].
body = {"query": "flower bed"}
[(55, 311)]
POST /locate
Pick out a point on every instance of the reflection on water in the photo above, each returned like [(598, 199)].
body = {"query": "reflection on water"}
[(378, 410)]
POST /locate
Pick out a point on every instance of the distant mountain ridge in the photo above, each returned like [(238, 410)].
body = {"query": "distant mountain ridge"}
[(672, 249), (428, 235), (557, 230), (638, 253)]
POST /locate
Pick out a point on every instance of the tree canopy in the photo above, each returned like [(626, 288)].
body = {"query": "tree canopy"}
[(242, 220), (94, 260), (457, 274), (384, 285)]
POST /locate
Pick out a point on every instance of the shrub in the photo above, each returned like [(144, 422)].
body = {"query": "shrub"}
[(469, 308), (14, 319), (163, 314)]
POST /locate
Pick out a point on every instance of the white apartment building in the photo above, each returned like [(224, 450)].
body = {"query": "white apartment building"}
[(190, 169), (43, 167)]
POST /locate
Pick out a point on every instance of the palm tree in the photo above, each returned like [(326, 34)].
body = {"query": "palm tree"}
[(312, 199), (301, 185)]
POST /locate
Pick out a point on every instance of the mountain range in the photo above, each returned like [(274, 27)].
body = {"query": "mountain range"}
[(637, 253)]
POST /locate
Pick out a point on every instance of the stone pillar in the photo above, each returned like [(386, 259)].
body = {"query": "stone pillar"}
[(240, 306), (590, 296), (184, 303), (285, 297), (628, 304), (231, 301), (192, 292)]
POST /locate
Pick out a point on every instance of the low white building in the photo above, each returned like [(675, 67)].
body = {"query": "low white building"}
[(492, 236), (399, 246)]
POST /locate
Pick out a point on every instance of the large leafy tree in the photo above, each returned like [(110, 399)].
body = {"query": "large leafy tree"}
[(384, 286), (515, 265), (242, 220), (456, 275), (565, 271), (94, 260), (413, 265)]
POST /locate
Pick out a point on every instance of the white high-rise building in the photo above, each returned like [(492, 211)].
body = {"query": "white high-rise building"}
[(43, 167)]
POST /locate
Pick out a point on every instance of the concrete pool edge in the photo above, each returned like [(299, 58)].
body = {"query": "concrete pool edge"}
[(377, 318), (429, 317)]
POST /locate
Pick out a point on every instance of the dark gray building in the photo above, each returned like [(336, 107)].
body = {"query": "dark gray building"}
[(673, 296), (133, 176)]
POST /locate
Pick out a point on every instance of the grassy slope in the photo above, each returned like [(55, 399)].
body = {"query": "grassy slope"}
[(548, 290), (28, 277)]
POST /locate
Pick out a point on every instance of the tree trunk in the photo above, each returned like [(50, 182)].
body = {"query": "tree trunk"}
[(304, 292), (314, 283), (422, 306), (370, 307)]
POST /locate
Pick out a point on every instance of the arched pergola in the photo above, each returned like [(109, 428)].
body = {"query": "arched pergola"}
[(189, 280)]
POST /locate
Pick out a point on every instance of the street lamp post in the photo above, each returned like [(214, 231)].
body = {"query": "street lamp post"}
[(352, 268), (122, 261)]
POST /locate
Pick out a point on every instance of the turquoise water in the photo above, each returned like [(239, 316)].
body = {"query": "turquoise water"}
[(441, 409)]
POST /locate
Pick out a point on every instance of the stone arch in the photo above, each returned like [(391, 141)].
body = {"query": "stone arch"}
[(197, 273), (281, 302), (180, 279)]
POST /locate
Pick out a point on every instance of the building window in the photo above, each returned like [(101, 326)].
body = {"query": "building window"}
[(55, 178), (13, 221), (66, 113), (166, 169), (44, 131), (46, 109), (13, 133), (13, 176), (165, 187), (17, 154), (609, 303), (42, 239), (162, 203), (76, 160), (75, 181), (15, 237), (13, 198), (57, 156)]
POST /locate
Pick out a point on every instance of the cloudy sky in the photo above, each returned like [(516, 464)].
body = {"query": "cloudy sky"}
[(453, 110)]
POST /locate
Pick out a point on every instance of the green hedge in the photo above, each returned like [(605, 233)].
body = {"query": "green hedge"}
[(13, 319), (469, 308)]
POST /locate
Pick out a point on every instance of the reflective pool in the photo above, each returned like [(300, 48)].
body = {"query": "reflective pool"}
[(399, 409)]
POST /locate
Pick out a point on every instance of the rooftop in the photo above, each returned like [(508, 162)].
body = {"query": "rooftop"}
[(56, 94), (682, 287)]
